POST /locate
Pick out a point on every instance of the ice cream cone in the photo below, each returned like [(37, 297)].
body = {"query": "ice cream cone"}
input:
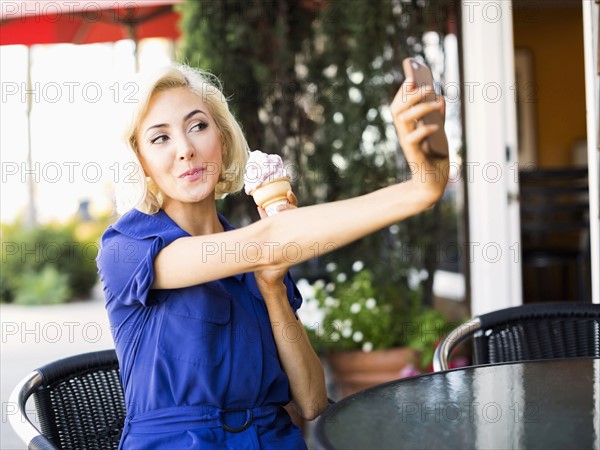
[(272, 194), (266, 180)]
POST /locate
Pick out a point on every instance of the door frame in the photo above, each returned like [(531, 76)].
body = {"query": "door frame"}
[(494, 246), (591, 23)]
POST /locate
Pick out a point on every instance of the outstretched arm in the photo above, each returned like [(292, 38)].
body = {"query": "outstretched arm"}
[(301, 234)]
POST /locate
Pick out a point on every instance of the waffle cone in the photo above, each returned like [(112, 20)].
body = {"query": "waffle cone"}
[(271, 192)]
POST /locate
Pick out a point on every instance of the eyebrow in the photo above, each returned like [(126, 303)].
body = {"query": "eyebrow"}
[(186, 117)]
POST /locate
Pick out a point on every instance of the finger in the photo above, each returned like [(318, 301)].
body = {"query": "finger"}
[(262, 213), (416, 137), (292, 198), (285, 207), (443, 107), (408, 85), (409, 95), (420, 110)]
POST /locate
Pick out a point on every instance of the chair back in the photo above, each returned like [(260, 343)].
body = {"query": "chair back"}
[(529, 332), (538, 331), (79, 402)]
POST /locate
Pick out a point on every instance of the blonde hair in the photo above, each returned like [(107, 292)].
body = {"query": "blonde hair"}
[(148, 197)]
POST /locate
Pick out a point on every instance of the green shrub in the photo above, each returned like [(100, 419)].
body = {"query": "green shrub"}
[(29, 251), (43, 288)]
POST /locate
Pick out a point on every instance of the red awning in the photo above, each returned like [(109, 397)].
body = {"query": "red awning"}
[(86, 22)]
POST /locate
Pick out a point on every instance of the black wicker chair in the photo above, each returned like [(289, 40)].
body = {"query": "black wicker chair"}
[(528, 332), (79, 404)]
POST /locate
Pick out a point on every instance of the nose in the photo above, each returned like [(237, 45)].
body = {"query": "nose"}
[(185, 150)]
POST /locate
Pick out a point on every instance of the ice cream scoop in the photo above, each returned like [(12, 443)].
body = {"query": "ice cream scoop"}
[(265, 179)]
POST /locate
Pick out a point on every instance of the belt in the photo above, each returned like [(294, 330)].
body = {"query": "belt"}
[(181, 418)]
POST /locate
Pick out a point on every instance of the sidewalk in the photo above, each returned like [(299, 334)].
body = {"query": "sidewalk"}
[(35, 335)]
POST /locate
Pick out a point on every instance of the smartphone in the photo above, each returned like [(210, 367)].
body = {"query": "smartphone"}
[(421, 76)]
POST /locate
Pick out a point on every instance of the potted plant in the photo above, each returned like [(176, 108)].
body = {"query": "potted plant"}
[(368, 331)]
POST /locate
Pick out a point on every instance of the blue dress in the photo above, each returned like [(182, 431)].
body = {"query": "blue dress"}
[(199, 365)]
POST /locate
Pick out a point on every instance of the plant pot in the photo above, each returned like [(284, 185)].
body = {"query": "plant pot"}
[(356, 370)]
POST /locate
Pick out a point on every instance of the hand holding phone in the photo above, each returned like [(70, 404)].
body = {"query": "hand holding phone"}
[(419, 73)]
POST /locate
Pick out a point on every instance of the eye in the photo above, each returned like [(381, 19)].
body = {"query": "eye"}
[(199, 126), (159, 139)]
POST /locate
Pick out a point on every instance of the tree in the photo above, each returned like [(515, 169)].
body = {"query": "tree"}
[(311, 81)]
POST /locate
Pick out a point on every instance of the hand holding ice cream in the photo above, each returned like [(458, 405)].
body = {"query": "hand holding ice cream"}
[(265, 179)]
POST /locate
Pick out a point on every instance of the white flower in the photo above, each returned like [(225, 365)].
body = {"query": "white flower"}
[(330, 301), (367, 347), (358, 266), (370, 303), (346, 327), (335, 336), (357, 336), (355, 308), (306, 290), (330, 287), (330, 267), (414, 278), (341, 277), (319, 284), (311, 312)]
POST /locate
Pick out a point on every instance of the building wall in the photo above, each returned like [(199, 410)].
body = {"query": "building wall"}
[(555, 38)]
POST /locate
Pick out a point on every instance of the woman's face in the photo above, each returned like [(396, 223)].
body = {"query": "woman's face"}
[(180, 147)]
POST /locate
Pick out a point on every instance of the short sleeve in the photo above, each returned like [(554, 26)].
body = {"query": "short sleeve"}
[(127, 253), (126, 265)]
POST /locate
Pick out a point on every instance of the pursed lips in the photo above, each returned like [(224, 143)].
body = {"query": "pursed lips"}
[(191, 172)]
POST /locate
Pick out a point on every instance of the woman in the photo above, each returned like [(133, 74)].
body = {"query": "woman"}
[(204, 316)]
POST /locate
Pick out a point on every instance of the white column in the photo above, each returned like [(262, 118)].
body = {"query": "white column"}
[(490, 117), (592, 95)]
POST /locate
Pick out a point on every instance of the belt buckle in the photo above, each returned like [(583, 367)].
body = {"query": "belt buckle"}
[(247, 423)]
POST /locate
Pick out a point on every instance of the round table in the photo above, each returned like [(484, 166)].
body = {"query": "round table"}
[(538, 404)]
